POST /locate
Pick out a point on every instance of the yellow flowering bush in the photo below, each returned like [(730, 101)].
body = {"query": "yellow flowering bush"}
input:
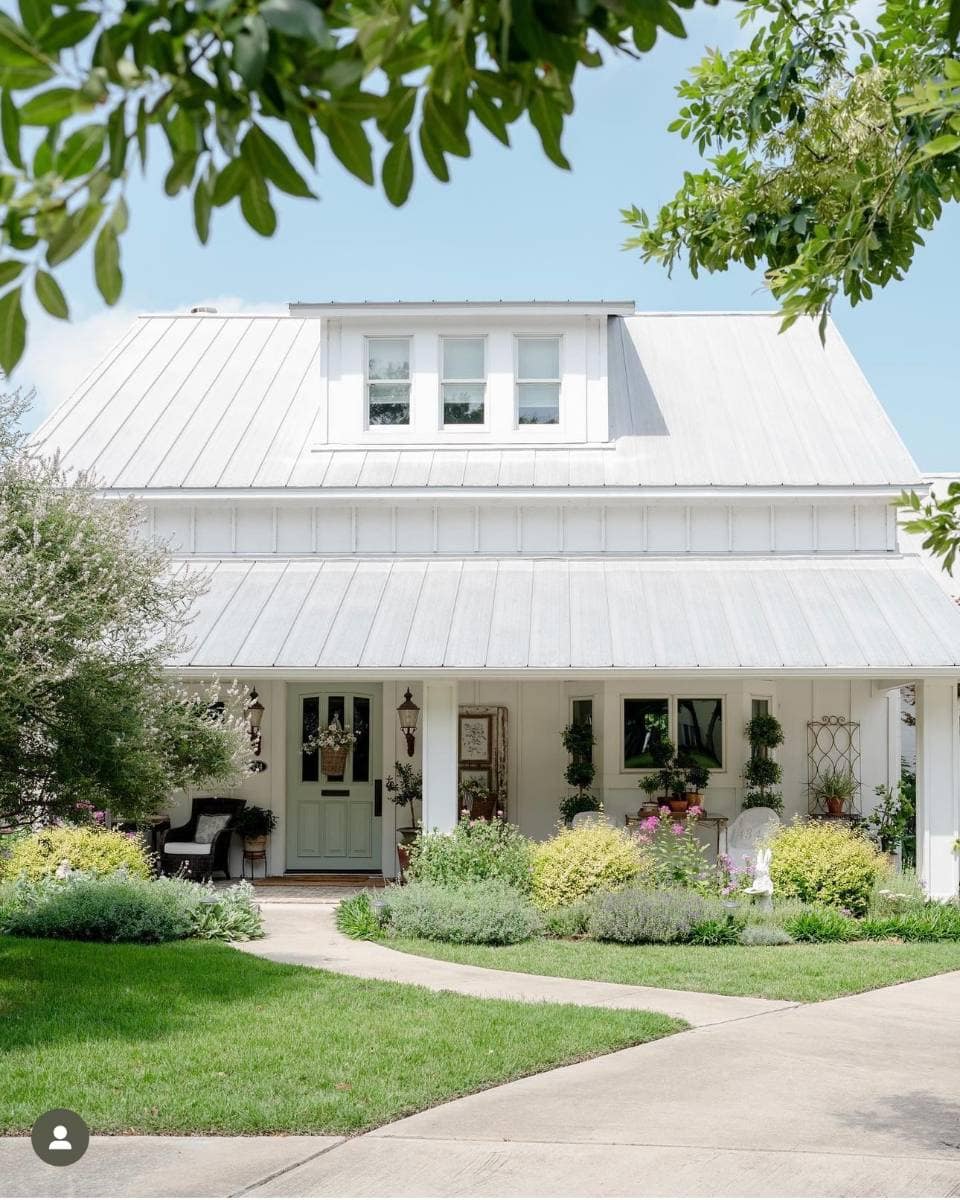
[(825, 862), (590, 858), (86, 847)]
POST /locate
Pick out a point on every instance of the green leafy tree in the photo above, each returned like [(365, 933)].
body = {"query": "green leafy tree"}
[(89, 613), (831, 148), (242, 91), (937, 520)]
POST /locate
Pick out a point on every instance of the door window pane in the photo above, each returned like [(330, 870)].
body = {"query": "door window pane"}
[(388, 381), (700, 731), (309, 724), (336, 711), (645, 723), (361, 749)]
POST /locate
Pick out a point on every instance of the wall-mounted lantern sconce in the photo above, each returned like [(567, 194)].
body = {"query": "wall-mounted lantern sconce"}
[(254, 711), (408, 712)]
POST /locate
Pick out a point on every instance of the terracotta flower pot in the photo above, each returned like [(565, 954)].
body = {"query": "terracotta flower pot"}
[(678, 804), (834, 805), (693, 799)]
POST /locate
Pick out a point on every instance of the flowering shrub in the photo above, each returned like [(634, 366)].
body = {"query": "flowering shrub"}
[(826, 863), (475, 850), (679, 859), (87, 848), (579, 862)]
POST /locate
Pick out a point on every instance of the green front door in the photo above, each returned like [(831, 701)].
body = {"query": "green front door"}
[(332, 824)]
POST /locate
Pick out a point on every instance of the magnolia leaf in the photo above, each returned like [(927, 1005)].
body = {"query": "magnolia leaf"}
[(13, 330), (397, 171), (106, 264), (50, 296), (256, 207)]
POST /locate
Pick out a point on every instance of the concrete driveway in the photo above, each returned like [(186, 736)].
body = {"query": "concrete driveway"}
[(851, 1097)]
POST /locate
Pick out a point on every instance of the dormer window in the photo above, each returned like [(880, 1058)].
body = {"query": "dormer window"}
[(464, 381), (388, 381), (538, 381)]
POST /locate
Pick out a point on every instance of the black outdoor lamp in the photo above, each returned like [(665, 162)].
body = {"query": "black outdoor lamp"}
[(408, 712), (254, 711)]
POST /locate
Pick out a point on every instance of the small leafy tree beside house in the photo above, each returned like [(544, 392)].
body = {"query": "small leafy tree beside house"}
[(580, 772), (89, 614), (405, 789), (762, 773)]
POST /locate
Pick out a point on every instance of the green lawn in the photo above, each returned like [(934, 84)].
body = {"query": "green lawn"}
[(198, 1038), (802, 972)]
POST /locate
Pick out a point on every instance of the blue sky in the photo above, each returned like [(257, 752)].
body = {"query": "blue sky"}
[(511, 225)]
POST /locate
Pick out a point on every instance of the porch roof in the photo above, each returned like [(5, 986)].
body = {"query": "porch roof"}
[(839, 615)]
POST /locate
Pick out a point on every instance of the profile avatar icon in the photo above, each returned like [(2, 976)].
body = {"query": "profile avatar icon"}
[(60, 1139)]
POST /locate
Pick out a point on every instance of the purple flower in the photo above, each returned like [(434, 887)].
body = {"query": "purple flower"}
[(678, 829), (650, 824)]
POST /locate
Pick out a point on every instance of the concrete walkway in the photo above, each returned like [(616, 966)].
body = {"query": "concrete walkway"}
[(306, 934), (851, 1097)]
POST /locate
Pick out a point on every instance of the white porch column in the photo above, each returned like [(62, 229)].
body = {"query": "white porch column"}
[(938, 785), (439, 754)]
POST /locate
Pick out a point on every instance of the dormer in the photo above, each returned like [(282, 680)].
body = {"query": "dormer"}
[(468, 374)]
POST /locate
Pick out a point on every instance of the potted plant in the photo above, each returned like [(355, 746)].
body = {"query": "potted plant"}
[(835, 788), (477, 800), (892, 820), (675, 785), (761, 772), (405, 789), (697, 778), (254, 825), (334, 743), (651, 785), (578, 741)]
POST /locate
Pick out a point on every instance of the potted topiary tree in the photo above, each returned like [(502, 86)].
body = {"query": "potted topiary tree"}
[(254, 825), (651, 785), (580, 772), (761, 772), (697, 779), (405, 789)]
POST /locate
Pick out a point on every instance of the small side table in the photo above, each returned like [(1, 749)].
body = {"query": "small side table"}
[(253, 857)]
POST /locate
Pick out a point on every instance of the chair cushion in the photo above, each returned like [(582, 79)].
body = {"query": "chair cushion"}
[(210, 824), (187, 847)]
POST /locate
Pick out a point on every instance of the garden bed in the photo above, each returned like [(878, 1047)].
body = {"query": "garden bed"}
[(194, 1037)]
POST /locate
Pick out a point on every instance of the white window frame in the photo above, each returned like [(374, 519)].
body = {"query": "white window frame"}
[(386, 337), (673, 724), (484, 425), (541, 335)]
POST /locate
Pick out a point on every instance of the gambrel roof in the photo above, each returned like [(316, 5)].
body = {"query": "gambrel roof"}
[(696, 400)]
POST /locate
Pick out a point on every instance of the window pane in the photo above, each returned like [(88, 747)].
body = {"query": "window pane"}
[(309, 724), (361, 751), (388, 358), (582, 714), (463, 403), (389, 404), (759, 708), (700, 731), (335, 712), (645, 722), (538, 403), (538, 358), (463, 358)]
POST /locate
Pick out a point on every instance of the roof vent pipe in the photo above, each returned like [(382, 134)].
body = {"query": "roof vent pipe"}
[(202, 309)]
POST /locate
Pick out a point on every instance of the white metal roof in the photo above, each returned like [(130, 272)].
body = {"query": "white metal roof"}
[(709, 400), (554, 615)]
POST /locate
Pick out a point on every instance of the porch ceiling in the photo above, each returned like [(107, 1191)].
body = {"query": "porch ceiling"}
[(556, 615)]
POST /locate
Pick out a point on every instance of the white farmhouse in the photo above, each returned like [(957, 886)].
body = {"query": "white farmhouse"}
[(528, 513)]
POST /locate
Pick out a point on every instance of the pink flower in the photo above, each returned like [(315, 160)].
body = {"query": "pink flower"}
[(678, 829), (694, 811), (665, 808), (650, 824)]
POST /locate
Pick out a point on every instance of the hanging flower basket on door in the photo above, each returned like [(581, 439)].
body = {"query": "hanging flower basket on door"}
[(334, 744)]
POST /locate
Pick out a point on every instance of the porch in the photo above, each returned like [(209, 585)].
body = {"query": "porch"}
[(500, 655)]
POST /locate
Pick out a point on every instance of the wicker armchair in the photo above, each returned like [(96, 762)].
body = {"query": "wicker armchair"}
[(182, 850)]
